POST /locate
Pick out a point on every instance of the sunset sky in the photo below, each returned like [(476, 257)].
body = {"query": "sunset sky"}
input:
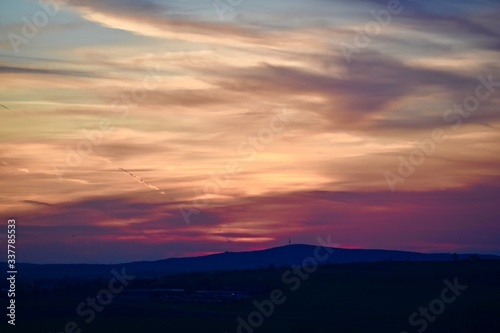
[(146, 129)]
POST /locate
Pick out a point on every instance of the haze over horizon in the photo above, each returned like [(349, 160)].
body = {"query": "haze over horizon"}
[(148, 129)]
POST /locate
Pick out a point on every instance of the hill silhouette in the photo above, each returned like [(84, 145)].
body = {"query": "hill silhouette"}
[(283, 256)]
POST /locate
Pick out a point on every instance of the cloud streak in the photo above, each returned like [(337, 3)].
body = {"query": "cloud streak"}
[(140, 180)]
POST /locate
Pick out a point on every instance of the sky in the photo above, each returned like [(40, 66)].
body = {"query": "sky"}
[(148, 129)]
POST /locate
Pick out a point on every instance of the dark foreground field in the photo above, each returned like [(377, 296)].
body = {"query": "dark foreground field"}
[(372, 297)]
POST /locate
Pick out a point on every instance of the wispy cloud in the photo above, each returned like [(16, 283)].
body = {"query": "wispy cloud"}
[(34, 202)]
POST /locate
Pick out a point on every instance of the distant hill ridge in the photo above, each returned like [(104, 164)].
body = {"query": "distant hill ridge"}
[(276, 257)]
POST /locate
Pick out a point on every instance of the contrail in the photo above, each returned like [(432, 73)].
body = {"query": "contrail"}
[(142, 181)]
